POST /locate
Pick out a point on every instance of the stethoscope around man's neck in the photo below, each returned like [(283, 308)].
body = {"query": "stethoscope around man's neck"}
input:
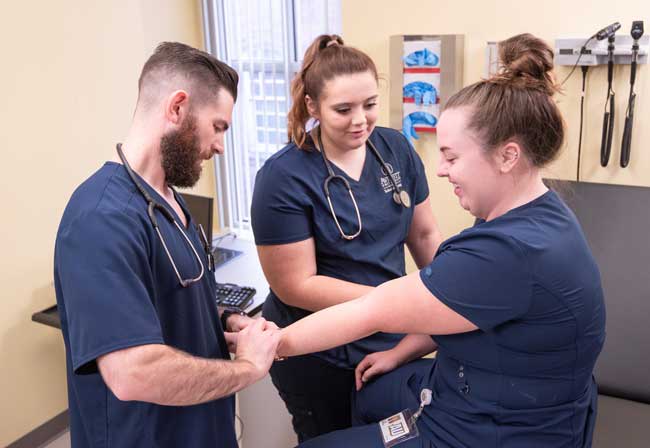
[(152, 206), (400, 196)]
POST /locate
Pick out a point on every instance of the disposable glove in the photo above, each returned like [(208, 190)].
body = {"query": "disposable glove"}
[(422, 57), (409, 122), (421, 92)]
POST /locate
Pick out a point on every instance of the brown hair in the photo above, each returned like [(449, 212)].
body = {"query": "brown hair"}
[(326, 58), (517, 104), (205, 73)]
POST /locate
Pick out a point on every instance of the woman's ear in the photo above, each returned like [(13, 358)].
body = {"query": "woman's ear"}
[(508, 156), (312, 107)]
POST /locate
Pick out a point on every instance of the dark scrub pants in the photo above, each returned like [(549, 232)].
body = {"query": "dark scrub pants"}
[(317, 394), (377, 400)]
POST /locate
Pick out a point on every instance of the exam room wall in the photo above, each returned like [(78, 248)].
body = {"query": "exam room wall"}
[(69, 77), (368, 25)]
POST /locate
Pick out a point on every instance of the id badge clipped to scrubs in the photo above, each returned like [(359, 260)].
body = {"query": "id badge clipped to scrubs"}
[(402, 426)]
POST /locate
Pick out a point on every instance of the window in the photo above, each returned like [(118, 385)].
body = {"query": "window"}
[(263, 40)]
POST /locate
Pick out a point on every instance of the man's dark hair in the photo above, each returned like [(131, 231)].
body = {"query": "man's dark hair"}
[(205, 73)]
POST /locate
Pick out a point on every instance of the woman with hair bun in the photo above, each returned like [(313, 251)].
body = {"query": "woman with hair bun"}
[(514, 303), (331, 214)]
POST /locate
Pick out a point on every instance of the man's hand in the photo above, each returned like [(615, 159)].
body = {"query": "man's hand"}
[(375, 364), (232, 336), (256, 344)]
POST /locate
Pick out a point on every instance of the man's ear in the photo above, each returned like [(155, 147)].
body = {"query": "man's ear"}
[(508, 156), (177, 106), (312, 107)]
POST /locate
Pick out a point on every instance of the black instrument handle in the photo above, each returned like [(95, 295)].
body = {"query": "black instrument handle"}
[(604, 148), (608, 132), (627, 141)]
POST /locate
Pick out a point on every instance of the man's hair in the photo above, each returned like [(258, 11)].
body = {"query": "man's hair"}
[(204, 74)]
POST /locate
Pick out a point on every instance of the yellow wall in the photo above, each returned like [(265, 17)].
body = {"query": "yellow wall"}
[(69, 84), (368, 24)]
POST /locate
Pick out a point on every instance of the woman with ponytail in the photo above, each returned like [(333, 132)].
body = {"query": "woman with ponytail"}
[(323, 242), (514, 303)]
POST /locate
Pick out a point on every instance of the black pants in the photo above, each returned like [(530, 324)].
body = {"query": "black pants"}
[(317, 394)]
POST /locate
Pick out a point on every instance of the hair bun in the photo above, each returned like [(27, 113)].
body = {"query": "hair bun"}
[(527, 62), (329, 40)]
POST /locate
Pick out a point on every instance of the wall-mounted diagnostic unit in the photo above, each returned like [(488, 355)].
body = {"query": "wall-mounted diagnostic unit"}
[(605, 47)]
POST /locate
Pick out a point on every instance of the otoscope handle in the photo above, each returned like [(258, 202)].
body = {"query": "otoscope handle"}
[(626, 145), (604, 150), (627, 142)]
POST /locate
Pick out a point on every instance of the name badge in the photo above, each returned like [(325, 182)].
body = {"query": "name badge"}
[(398, 428)]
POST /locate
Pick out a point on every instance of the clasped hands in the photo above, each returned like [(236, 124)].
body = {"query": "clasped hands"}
[(259, 337), (253, 338)]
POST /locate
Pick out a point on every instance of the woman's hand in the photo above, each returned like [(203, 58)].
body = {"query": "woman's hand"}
[(375, 364), (232, 337)]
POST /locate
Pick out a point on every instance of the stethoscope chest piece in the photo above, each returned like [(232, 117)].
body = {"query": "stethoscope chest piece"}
[(402, 198)]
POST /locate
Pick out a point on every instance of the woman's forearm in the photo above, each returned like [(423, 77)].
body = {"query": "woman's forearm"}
[(328, 328), (403, 305), (414, 346), (318, 292)]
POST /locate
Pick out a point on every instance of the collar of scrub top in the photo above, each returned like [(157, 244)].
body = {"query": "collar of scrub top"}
[(400, 196), (152, 206)]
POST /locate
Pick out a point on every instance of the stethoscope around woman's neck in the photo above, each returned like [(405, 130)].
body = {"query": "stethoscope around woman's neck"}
[(400, 196), (152, 206)]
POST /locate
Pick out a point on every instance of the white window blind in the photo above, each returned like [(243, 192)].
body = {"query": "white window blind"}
[(263, 40)]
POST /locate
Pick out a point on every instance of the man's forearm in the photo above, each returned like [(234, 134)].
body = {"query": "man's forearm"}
[(163, 375)]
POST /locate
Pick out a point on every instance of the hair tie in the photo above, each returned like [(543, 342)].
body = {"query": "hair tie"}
[(332, 42)]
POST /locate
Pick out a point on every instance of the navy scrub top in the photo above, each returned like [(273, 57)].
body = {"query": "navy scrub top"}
[(289, 205), (115, 288), (528, 280)]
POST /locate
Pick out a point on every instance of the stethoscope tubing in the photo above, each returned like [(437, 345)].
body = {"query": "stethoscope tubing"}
[(152, 206), (400, 196)]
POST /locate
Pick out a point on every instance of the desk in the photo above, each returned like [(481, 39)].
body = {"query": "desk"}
[(244, 270)]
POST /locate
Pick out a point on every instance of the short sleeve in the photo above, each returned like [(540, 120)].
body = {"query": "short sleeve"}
[(485, 278), (279, 210), (421, 186), (102, 268)]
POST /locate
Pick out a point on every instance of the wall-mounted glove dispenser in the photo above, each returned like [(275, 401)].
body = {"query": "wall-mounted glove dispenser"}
[(425, 70)]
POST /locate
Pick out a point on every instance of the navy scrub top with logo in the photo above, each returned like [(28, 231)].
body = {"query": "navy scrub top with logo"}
[(529, 282), (289, 205), (116, 289)]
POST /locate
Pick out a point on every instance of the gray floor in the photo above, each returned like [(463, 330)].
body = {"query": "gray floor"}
[(63, 441)]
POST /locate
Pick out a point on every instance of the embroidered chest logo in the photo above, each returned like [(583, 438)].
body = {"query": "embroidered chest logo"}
[(386, 184)]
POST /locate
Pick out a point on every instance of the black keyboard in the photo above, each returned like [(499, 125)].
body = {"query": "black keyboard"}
[(234, 296)]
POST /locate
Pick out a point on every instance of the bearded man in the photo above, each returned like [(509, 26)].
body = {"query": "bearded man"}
[(147, 361)]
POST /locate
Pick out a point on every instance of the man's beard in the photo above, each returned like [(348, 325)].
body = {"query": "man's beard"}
[(181, 155)]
